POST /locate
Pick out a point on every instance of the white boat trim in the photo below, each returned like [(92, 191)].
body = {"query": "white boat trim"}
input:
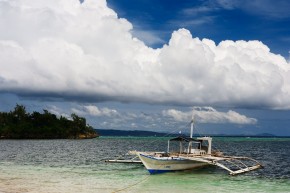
[(166, 164)]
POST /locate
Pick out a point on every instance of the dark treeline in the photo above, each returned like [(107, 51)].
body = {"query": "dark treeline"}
[(19, 124)]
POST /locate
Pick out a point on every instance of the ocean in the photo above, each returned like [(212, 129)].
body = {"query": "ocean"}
[(77, 166)]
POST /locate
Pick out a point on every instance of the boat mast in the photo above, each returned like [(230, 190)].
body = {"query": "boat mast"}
[(191, 127), (191, 133)]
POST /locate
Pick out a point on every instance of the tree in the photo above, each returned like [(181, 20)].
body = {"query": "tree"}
[(18, 124)]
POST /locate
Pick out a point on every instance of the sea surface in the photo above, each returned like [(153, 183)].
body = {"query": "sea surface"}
[(77, 166)]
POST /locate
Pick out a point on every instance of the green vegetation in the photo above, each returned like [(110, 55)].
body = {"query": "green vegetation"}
[(19, 124)]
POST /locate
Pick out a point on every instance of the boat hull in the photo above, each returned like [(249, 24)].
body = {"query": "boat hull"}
[(168, 164)]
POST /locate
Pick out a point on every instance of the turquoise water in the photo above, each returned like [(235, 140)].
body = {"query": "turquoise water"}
[(54, 166)]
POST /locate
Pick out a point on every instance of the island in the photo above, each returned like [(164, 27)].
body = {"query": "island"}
[(19, 124)]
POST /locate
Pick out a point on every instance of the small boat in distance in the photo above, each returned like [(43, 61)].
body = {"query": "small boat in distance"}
[(194, 153)]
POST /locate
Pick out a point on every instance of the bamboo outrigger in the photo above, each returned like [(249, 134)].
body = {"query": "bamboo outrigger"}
[(132, 160)]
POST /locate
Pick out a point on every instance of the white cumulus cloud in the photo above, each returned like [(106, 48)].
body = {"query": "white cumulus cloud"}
[(93, 110), (66, 49), (209, 115)]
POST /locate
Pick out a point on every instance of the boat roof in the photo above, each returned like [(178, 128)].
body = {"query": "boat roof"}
[(186, 139)]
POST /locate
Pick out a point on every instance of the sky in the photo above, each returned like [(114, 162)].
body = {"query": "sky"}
[(150, 64)]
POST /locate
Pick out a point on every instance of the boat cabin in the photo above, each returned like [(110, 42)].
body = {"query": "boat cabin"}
[(198, 146)]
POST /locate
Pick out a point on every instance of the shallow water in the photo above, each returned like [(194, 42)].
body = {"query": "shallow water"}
[(54, 166)]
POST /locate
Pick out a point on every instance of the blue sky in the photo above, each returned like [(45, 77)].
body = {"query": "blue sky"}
[(264, 20), (150, 65)]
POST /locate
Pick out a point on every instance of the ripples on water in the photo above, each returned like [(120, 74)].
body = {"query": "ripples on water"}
[(78, 166)]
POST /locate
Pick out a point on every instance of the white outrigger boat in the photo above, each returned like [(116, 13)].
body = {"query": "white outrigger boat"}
[(191, 154)]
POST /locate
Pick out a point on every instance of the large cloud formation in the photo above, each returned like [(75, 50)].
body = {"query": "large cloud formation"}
[(62, 48)]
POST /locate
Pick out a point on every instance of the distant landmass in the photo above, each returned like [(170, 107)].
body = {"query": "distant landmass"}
[(137, 133), (140, 133), (266, 135), (19, 124)]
